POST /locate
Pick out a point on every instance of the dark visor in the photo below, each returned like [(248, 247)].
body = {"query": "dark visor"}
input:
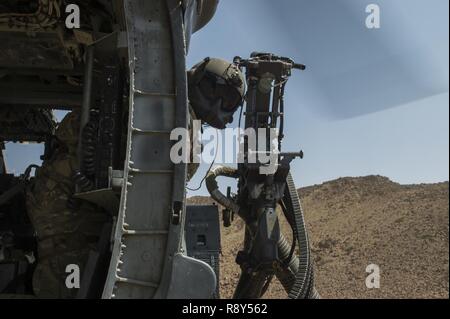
[(212, 89)]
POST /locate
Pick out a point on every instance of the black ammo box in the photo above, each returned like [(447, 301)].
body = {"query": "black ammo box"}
[(203, 236)]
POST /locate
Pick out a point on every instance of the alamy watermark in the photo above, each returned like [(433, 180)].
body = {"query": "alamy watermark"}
[(73, 277), (373, 20), (226, 146), (73, 19), (373, 279)]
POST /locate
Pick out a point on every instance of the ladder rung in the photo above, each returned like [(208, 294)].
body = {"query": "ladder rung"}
[(144, 232), (150, 172), (137, 282), (141, 92), (149, 132)]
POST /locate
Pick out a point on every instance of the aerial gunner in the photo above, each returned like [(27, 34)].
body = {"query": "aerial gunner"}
[(216, 91), (68, 230)]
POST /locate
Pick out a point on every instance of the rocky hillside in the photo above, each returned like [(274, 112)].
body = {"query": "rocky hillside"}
[(354, 222)]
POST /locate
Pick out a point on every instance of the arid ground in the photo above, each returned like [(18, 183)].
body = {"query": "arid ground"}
[(354, 222)]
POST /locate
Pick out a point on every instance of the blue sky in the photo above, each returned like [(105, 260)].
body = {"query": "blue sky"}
[(370, 101)]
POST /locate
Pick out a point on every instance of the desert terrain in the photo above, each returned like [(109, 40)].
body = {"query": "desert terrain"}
[(354, 222)]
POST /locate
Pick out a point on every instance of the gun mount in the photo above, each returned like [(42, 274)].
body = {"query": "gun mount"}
[(122, 75), (263, 185)]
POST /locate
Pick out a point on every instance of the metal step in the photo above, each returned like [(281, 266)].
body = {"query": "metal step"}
[(143, 223), (148, 258)]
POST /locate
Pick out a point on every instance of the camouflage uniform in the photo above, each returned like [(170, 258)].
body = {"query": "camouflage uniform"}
[(65, 235)]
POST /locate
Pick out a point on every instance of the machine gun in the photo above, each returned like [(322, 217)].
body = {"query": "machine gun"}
[(124, 79), (263, 185)]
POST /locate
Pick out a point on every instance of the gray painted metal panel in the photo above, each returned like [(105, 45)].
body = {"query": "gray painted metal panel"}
[(203, 236), (148, 259), (141, 234)]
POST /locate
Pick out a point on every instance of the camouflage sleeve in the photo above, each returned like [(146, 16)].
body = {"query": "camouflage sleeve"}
[(65, 234)]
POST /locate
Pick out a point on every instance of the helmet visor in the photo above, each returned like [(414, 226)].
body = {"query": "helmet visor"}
[(214, 88)]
